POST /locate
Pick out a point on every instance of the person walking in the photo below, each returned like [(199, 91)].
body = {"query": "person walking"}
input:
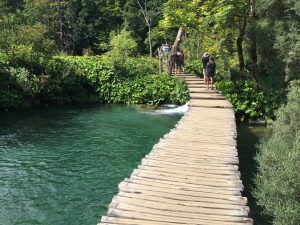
[(210, 71), (178, 62), (205, 60), (181, 57)]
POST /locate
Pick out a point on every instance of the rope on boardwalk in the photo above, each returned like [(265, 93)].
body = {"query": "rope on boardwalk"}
[(191, 176)]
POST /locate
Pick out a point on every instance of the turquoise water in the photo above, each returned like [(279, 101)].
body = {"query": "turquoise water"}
[(61, 166)]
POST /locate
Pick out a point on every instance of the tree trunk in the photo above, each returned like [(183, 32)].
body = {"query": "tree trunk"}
[(253, 45), (60, 24), (7, 16), (253, 56), (239, 43), (172, 59), (226, 63), (150, 40), (144, 9), (7, 22), (198, 47), (160, 58)]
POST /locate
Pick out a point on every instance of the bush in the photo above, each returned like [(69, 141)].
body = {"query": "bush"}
[(194, 67), (25, 57), (140, 66), (139, 87), (122, 47), (152, 89), (278, 180), (29, 84), (250, 104), (3, 62), (36, 37), (10, 94), (75, 79)]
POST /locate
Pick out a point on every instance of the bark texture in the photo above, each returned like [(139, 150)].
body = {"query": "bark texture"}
[(172, 60)]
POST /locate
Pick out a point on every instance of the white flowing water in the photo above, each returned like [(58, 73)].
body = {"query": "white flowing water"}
[(172, 109)]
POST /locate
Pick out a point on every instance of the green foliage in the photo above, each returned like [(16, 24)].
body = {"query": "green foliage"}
[(72, 25), (122, 88), (90, 79), (122, 47), (135, 21), (277, 33), (140, 66), (278, 179), (19, 88), (29, 84), (36, 37), (179, 13), (24, 56), (3, 61), (152, 89), (28, 47), (195, 67), (250, 104), (10, 96)]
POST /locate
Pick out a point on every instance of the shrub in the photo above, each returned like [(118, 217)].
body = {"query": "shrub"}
[(140, 66), (10, 95), (36, 36), (278, 180), (248, 103), (194, 67), (122, 47), (3, 62), (25, 57), (90, 79), (94, 76), (156, 89), (28, 83)]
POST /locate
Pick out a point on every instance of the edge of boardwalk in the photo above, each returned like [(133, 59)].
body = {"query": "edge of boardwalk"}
[(191, 175)]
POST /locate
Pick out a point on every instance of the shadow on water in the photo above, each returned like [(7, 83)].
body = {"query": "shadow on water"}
[(247, 141)]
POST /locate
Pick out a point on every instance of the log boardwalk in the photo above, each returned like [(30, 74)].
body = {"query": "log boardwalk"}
[(191, 176)]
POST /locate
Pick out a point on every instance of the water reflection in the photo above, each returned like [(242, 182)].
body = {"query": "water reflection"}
[(248, 140)]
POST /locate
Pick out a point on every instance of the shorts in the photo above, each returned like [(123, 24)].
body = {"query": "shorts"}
[(179, 63), (209, 74)]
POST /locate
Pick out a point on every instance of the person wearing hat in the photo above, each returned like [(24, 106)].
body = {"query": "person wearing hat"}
[(205, 60)]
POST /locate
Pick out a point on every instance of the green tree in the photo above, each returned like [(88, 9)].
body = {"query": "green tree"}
[(141, 17), (180, 15), (36, 36), (6, 9), (279, 25), (278, 181), (122, 47)]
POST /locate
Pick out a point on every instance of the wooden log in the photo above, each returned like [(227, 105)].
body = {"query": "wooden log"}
[(212, 180), (183, 197), (172, 218), (156, 208), (225, 169), (191, 203), (203, 169)]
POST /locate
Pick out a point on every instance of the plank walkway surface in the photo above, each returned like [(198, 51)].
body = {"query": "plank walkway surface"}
[(191, 176)]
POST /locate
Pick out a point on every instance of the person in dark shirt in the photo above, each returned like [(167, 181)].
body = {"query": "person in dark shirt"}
[(210, 71), (205, 60)]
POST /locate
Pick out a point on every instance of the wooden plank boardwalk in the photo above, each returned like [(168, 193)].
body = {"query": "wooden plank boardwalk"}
[(191, 176)]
